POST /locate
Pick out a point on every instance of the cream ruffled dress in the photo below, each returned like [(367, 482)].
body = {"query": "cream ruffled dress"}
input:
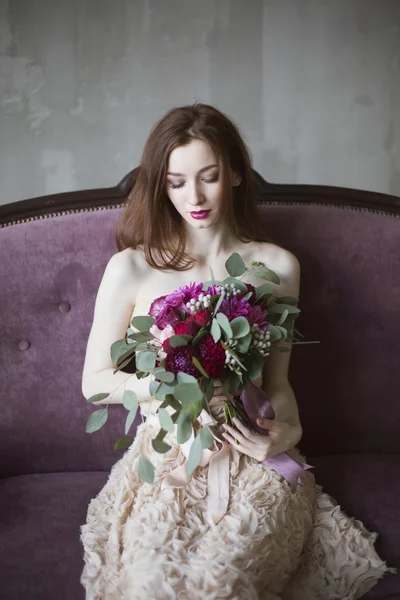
[(172, 541)]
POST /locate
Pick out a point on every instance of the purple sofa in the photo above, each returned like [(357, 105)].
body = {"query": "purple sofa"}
[(54, 250)]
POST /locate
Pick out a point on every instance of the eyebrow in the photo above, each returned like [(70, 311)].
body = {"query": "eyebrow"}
[(201, 171)]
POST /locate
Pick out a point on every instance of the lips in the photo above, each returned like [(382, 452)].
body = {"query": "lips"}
[(200, 214)]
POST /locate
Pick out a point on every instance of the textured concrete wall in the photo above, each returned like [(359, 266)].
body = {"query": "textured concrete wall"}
[(313, 84)]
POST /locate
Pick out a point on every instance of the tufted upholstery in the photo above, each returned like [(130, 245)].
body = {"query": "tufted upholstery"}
[(347, 386)]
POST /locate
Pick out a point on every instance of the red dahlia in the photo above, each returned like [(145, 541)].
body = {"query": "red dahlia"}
[(212, 356), (179, 360)]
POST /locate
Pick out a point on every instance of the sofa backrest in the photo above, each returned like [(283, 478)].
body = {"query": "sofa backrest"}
[(347, 385)]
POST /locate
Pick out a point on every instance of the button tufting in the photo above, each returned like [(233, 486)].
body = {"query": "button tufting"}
[(24, 344), (64, 307)]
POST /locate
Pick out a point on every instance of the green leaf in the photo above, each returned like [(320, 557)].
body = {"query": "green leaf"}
[(223, 322), (129, 354), (170, 401), (165, 420), (140, 337), (207, 385), (199, 366), (184, 423), (129, 419), (199, 336), (265, 288), (142, 323), (160, 446), (243, 344), (235, 265), (97, 420), (163, 375), (215, 330), (145, 361), (206, 437), (188, 393), (288, 300), (194, 455), (129, 400), (163, 390), (255, 366), (283, 317), (219, 302), (119, 349), (186, 378), (123, 442), (280, 308), (179, 340), (240, 327), (146, 470), (276, 335), (282, 330), (267, 274), (212, 275), (97, 397)]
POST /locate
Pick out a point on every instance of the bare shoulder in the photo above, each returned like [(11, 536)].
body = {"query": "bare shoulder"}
[(283, 262)]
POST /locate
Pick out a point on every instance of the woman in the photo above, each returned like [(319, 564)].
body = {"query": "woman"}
[(191, 207)]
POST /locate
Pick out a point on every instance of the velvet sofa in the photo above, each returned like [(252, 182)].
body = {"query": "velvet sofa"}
[(53, 252)]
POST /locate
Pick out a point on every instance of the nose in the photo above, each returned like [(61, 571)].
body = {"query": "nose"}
[(195, 195)]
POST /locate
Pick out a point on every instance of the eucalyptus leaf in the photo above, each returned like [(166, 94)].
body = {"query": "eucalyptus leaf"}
[(123, 364), (283, 317), (145, 361), (276, 335), (287, 300), (170, 400), (119, 349), (186, 378), (160, 446), (153, 387), (129, 400), (212, 275), (130, 418), (235, 265), (261, 290), (283, 331), (206, 437), (165, 420), (223, 322), (219, 302), (243, 343), (235, 356), (97, 397), (179, 340), (280, 308), (247, 296), (129, 354), (194, 457), (97, 420), (215, 330), (163, 375), (255, 366), (188, 393), (240, 327), (163, 390), (123, 442), (264, 273), (185, 428), (146, 470), (140, 337), (142, 323)]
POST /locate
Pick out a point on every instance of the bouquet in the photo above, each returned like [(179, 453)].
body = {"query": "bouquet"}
[(199, 333)]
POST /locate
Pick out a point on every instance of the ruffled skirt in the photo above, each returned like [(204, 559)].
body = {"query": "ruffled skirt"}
[(145, 542)]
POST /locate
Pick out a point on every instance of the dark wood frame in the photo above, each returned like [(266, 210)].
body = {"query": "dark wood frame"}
[(267, 193)]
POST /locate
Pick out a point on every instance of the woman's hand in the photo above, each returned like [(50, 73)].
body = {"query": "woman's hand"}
[(281, 437)]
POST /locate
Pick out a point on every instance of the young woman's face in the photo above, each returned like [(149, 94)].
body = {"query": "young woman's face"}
[(194, 185)]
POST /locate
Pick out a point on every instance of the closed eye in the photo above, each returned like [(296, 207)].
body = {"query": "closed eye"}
[(176, 186)]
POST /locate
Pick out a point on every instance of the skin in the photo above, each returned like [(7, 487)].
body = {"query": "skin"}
[(193, 184)]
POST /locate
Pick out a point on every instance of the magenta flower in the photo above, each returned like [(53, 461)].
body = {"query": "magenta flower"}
[(236, 307), (258, 316), (157, 306), (190, 291), (212, 289), (165, 317)]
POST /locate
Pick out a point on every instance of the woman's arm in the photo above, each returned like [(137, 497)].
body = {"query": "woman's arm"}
[(113, 309)]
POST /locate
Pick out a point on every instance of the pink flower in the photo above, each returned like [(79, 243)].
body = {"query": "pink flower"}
[(175, 299), (236, 307), (165, 317), (190, 291), (161, 334)]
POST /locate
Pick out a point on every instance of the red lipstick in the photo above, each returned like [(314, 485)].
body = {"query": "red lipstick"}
[(200, 214)]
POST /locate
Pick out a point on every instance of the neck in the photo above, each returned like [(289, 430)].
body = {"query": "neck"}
[(206, 245)]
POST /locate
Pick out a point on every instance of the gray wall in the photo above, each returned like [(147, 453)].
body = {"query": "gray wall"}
[(313, 84)]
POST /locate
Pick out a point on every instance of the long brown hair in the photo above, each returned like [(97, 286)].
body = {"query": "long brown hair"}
[(151, 220)]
